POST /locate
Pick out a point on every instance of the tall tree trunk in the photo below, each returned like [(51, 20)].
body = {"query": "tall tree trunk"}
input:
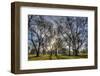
[(75, 52), (56, 52), (69, 50), (44, 50), (37, 53), (50, 57)]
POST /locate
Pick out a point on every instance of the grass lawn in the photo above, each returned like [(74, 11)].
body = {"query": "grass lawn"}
[(53, 57)]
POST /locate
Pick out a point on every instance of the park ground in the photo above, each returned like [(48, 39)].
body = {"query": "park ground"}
[(53, 57)]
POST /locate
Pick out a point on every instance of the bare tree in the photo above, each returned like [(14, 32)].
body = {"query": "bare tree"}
[(39, 29), (74, 32)]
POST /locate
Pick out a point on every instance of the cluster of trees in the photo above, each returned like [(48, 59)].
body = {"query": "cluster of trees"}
[(57, 34)]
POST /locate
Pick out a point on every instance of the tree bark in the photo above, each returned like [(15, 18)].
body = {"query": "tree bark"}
[(56, 52), (76, 52), (69, 50), (38, 51), (37, 54)]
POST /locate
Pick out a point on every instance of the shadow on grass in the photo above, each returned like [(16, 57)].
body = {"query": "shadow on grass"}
[(54, 57)]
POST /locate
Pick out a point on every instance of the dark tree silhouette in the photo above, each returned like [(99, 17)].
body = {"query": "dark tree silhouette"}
[(38, 27)]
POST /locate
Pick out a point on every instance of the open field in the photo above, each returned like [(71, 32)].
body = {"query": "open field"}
[(53, 57)]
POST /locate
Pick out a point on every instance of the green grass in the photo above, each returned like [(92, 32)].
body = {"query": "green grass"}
[(53, 57)]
